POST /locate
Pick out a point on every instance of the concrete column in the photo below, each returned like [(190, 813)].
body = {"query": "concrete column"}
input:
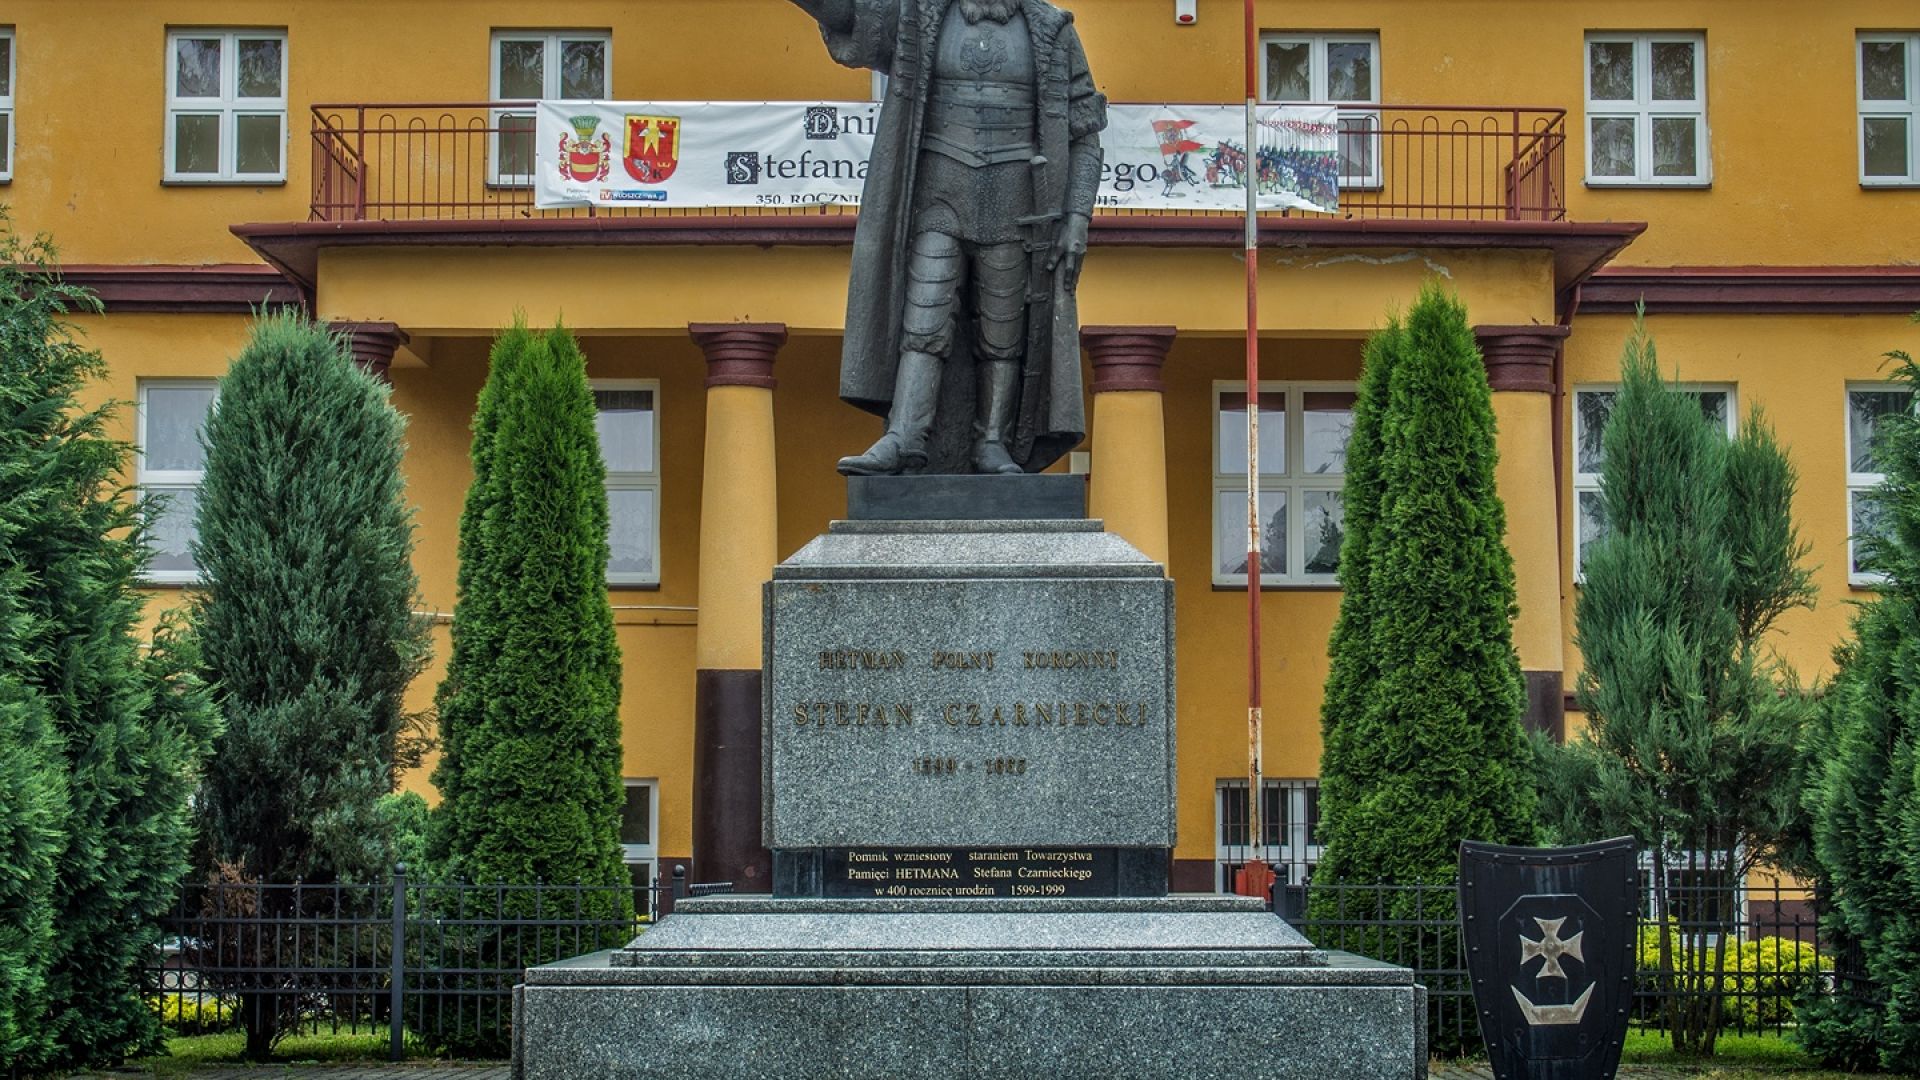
[(373, 343), (737, 553), (1521, 364), (1129, 484)]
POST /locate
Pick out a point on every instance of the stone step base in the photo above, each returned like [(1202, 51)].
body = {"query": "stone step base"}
[(746, 987)]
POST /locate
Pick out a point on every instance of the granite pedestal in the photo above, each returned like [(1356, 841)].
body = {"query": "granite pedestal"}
[(955, 989), (969, 796)]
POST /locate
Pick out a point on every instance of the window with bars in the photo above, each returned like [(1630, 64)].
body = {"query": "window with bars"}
[(535, 65), (1647, 109), (169, 465), (1889, 108), (1334, 69), (1289, 829), (1304, 429), (226, 106), (627, 420), (1867, 403), (6, 103), (1592, 408)]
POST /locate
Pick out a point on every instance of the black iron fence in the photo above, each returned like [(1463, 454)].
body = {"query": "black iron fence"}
[(1736, 958), (439, 961), (435, 960)]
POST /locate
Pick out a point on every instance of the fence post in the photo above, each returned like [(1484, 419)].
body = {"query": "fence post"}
[(397, 967)]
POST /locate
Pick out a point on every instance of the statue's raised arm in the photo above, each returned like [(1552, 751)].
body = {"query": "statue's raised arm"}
[(859, 33)]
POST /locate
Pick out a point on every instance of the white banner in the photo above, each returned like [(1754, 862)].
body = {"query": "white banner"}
[(796, 154)]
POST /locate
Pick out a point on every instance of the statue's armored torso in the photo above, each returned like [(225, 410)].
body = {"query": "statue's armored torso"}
[(981, 110), (975, 178)]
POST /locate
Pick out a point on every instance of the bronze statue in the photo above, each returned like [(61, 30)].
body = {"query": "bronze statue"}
[(977, 202)]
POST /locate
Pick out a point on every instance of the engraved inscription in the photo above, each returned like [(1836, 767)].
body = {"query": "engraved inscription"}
[(970, 872)]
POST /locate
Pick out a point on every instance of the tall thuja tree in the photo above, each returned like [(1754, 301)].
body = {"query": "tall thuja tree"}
[(33, 775), (1691, 723), (476, 625), (538, 761), (1352, 670), (306, 615), (122, 723), (1863, 793), (1425, 698)]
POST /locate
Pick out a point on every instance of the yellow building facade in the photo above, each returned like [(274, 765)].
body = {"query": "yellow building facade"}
[(1747, 171)]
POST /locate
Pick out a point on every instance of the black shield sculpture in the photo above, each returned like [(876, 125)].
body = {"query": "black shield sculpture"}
[(1549, 934)]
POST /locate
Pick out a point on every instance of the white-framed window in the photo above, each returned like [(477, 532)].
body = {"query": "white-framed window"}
[(1289, 829), (534, 65), (627, 418), (6, 103), (1304, 429), (1592, 408), (1647, 109), (169, 465), (1889, 91), (640, 841), (1866, 404), (1334, 69), (226, 106)]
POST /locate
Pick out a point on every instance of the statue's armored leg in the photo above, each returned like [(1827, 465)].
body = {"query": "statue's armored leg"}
[(1000, 289), (933, 295)]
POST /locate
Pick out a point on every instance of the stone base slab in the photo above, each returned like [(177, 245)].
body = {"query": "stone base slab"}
[(1179, 987)]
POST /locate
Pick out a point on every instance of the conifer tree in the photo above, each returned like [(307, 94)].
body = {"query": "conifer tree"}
[(130, 728), (1352, 671), (537, 760), (33, 804), (306, 612), (1689, 739), (1425, 698), (475, 624), (1864, 789)]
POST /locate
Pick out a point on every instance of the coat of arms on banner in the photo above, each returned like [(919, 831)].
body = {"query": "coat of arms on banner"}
[(653, 148), (1550, 946), (581, 158)]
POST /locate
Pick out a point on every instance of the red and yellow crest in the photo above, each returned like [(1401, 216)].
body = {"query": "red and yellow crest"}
[(583, 159), (653, 148)]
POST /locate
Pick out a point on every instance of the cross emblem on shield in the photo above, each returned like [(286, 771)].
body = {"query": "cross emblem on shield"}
[(1549, 936)]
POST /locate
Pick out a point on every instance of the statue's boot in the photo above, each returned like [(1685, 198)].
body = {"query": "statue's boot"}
[(916, 390), (999, 381)]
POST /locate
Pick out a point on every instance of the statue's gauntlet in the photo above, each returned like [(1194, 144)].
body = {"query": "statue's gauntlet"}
[(1083, 176)]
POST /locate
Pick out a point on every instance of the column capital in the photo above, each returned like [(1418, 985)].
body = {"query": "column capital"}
[(373, 344), (1520, 358), (739, 354), (1127, 357)]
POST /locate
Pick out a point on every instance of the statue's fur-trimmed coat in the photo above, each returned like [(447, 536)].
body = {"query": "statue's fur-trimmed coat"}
[(898, 38)]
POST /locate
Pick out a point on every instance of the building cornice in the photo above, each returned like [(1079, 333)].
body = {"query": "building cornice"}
[(216, 289), (1578, 248), (1753, 290)]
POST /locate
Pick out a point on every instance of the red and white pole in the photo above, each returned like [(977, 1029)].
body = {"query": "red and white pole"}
[(1254, 878)]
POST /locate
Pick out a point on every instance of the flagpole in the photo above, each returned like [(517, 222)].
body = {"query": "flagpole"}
[(1254, 875)]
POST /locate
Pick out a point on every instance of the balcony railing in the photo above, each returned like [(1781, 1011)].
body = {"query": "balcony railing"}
[(427, 162)]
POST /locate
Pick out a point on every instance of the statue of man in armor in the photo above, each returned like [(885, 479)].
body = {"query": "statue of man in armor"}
[(972, 231)]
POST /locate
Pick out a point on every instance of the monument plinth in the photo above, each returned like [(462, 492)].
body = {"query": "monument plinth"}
[(969, 709)]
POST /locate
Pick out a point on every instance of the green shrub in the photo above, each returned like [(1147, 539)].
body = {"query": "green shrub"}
[(1760, 980), (194, 1014)]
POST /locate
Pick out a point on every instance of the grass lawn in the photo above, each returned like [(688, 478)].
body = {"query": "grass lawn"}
[(1736, 1057), (186, 1053), (1775, 1052)]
